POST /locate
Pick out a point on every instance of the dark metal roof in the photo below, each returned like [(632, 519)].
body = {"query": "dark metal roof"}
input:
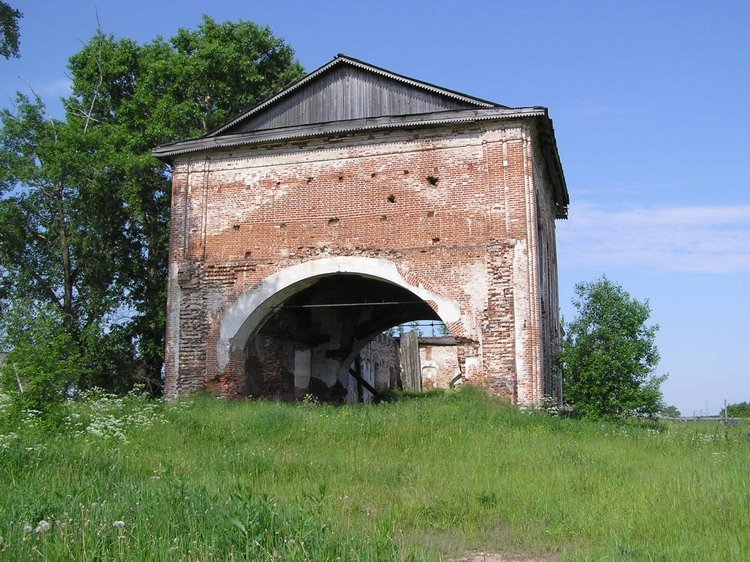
[(166, 151)]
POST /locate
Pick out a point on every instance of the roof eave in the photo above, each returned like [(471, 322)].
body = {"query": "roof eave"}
[(554, 166), (167, 152)]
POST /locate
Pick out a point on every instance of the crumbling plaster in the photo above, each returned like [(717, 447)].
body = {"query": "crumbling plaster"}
[(257, 224)]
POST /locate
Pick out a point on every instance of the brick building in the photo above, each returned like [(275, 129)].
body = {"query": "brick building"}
[(355, 200)]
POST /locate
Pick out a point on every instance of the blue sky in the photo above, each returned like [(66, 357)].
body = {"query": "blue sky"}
[(649, 101)]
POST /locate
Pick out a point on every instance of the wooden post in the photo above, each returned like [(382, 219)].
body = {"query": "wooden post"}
[(411, 368)]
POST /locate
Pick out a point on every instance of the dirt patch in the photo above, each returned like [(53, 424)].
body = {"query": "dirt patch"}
[(508, 557)]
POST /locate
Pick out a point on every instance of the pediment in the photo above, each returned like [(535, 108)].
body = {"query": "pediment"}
[(347, 89)]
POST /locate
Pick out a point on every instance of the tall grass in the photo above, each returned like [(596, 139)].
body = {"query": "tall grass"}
[(425, 478)]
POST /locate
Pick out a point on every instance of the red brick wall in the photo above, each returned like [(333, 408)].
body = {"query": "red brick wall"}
[(471, 236)]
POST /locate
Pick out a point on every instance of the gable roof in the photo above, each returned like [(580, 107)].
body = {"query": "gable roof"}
[(348, 95), (347, 88)]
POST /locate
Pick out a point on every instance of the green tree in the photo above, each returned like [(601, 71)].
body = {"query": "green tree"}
[(9, 35), (61, 243), (145, 95), (609, 354), (443, 330), (670, 412), (89, 205), (416, 328), (738, 410), (43, 362)]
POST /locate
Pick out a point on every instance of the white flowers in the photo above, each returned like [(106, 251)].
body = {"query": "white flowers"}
[(101, 415), (118, 524), (43, 526), (6, 439), (27, 528)]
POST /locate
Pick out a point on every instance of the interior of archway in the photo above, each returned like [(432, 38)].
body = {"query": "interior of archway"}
[(309, 344)]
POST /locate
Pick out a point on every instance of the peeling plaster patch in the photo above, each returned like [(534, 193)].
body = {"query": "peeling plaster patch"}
[(471, 365), (379, 144), (253, 306), (266, 190), (476, 288), (173, 336), (214, 302), (522, 308)]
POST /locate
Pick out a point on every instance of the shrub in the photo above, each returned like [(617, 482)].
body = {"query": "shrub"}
[(609, 354), (42, 363)]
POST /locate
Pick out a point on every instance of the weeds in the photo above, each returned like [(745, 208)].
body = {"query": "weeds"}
[(439, 476)]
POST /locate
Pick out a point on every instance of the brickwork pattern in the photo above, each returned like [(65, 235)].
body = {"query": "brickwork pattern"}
[(454, 207)]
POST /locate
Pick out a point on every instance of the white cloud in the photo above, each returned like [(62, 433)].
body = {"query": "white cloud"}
[(57, 88), (683, 239)]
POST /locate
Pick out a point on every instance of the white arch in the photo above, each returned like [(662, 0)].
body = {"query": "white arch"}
[(249, 310)]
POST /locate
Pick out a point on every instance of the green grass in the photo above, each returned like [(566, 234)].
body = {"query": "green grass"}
[(425, 478)]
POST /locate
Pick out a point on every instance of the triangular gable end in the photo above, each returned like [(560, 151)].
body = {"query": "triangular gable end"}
[(345, 89)]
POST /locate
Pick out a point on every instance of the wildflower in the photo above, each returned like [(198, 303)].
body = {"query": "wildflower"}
[(27, 528), (43, 526), (118, 524)]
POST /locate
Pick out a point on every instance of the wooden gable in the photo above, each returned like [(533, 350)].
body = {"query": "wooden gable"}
[(346, 89)]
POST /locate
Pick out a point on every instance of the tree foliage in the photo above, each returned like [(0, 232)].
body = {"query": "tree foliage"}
[(84, 206), (609, 354), (43, 362), (9, 35), (738, 410), (61, 244), (670, 412)]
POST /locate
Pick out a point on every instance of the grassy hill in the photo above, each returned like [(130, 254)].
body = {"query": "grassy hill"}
[(435, 477)]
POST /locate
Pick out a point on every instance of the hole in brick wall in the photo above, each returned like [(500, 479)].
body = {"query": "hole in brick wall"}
[(391, 198), (310, 179), (341, 178), (372, 175), (248, 254), (383, 218), (435, 239), (282, 226), (278, 183), (406, 172), (430, 214), (333, 220), (236, 226), (433, 180)]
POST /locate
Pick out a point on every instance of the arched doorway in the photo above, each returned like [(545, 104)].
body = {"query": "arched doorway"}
[(303, 337)]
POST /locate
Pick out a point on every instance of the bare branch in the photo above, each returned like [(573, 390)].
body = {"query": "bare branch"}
[(18, 378), (99, 37)]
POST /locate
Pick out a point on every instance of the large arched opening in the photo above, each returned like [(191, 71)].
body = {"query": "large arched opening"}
[(304, 329)]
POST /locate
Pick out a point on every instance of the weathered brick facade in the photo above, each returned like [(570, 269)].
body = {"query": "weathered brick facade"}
[(455, 217)]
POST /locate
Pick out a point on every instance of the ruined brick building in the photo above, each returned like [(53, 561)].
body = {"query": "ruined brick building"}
[(355, 200)]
